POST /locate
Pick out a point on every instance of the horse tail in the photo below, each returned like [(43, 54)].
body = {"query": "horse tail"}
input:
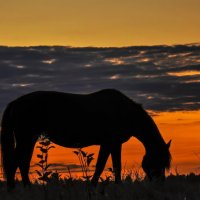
[(7, 141)]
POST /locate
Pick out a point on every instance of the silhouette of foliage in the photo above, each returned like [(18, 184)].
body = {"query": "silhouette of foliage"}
[(85, 160), (44, 145)]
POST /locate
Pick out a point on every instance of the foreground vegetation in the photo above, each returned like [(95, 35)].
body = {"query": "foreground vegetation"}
[(175, 188), (50, 186)]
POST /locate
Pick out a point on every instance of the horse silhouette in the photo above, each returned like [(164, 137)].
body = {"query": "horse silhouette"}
[(107, 118)]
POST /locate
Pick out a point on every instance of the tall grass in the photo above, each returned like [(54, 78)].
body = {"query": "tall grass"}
[(85, 160)]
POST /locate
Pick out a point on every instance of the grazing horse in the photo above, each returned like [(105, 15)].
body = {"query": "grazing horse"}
[(107, 118)]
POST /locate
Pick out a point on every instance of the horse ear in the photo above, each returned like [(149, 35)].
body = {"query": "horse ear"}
[(169, 143)]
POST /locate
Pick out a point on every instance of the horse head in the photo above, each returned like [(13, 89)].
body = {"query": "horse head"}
[(155, 163)]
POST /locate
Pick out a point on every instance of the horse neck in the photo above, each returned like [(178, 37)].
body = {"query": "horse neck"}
[(150, 137)]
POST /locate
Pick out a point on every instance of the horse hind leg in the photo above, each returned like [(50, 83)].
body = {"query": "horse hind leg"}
[(9, 160), (10, 172), (24, 151)]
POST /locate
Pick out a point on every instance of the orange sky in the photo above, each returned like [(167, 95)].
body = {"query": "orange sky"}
[(113, 23), (99, 22), (182, 127)]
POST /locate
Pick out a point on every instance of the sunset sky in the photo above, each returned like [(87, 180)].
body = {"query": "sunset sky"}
[(165, 78), (99, 22)]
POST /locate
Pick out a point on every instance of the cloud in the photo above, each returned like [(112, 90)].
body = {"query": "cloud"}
[(149, 75), (61, 167)]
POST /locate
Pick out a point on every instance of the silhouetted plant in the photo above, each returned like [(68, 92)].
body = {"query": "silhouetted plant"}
[(69, 172), (85, 160), (138, 175), (176, 171), (44, 145), (55, 177), (44, 173), (128, 176), (104, 183)]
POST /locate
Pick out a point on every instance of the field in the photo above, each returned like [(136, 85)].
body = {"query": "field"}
[(179, 187), (50, 185)]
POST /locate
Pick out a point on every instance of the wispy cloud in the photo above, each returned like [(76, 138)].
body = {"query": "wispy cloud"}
[(162, 78), (61, 167)]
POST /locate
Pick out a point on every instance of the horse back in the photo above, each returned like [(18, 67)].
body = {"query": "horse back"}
[(108, 100), (99, 116)]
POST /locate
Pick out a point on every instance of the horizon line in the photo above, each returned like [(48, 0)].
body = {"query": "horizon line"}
[(90, 46)]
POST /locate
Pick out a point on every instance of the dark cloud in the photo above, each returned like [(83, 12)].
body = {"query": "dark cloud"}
[(147, 74), (64, 168)]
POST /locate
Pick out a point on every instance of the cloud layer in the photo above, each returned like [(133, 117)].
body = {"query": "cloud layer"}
[(162, 78)]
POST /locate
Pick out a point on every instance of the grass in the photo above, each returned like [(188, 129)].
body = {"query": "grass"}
[(179, 187), (50, 186)]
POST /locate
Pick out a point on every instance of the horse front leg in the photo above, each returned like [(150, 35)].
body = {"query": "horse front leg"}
[(104, 152), (116, 160)]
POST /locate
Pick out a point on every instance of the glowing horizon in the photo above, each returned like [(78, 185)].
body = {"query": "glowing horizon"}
[(172, 125)]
